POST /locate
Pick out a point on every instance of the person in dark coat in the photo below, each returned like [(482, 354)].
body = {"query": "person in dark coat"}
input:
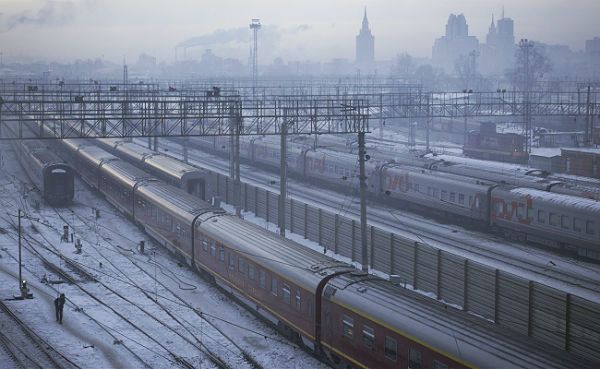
[(59, 304)]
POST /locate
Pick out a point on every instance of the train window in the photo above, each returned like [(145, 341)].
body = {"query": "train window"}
[(222, 254), (348, 327), (577, 224), (205, 244), (564, 221), (554, 220), (368, 336), (444, 195), (438, 365), (416, 187), (414, 359), (452, 197), (429, 191), (274, 285), (461, 198), (213, 249), (589, 227), (541, 216), (262, 279), (287, 294), (231, 261), (390, 349), (242, 265), (298, 300), (251, 271)]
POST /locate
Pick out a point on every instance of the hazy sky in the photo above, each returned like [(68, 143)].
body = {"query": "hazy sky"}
[(293, 29)]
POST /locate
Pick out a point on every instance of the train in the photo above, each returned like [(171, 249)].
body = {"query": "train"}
[(491, 145), (349, 318), (454, 192), (49, 173)]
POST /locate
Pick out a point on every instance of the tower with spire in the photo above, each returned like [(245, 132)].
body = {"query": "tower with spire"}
[(365, 44), (499, 50), (492, 35)]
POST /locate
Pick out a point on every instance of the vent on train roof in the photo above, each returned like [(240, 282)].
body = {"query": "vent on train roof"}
[(358, 273), (361, 289), (329, 291)]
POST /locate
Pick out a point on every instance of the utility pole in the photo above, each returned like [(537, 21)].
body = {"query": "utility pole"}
[(234, 164), (283, 174), (20, 272), (381, 119), (363, 202), (428, 122), (588, 126), (527, 45)]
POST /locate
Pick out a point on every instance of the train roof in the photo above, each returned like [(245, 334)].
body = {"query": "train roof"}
[(451, 332), (90, 152), (299, 264), (566, 201), (171, 167), (125, 172), (450, 177), (41, 153), (176, 201)]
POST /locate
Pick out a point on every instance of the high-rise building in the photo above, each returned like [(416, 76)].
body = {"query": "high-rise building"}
[(498, 53), (456, 43), (592, 48), (592, 52), (365, 44), (506, 32)]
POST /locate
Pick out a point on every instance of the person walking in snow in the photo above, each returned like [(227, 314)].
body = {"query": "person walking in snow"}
[(59, 304)]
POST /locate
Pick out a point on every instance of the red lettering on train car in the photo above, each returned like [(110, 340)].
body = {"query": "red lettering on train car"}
[(498, 208), (315, 164), (396, 182), (515, 211)]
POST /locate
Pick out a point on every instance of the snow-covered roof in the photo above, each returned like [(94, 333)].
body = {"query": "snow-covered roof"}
[(588, 150), (573, 202)]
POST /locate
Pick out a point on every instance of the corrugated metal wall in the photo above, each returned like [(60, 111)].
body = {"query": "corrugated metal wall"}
[(564, 321)]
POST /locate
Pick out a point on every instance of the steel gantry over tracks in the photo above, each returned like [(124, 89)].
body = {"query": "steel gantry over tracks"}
[(160, 114)]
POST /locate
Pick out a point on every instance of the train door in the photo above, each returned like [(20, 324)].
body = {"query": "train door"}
[(196, 187)]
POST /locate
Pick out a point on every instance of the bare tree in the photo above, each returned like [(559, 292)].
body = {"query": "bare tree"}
[(404, 66), (531, 65), (466, 69)]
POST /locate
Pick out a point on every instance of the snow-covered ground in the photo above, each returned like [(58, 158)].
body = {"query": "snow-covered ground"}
[(139, 308)]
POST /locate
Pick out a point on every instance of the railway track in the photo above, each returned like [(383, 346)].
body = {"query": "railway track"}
[(211, 333), (209, 329), (216, 335), (25, 348)]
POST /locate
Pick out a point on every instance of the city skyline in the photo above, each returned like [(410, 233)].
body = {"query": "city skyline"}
[(68, 30)]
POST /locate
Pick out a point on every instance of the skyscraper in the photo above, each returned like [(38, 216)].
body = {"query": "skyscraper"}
[(454, 44), (365, 44), (499, 50)]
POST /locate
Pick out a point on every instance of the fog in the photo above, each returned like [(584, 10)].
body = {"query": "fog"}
[(300, 30)]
